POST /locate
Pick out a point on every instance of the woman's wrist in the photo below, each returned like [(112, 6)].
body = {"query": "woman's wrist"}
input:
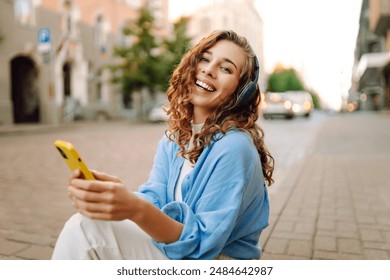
[(138, 210)]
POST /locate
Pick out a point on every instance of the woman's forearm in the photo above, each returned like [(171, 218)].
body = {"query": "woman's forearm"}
[(158, 225)]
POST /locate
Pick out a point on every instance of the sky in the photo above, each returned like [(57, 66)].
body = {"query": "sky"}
[(316, 37)]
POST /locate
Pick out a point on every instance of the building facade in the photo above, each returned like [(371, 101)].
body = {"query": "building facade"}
[(371, 76), (54, 57), (237, 15)]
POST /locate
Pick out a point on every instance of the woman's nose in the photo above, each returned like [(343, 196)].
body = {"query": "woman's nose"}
[(209, 70)]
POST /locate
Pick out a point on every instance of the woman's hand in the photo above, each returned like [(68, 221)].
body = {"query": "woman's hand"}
[(105, 198)]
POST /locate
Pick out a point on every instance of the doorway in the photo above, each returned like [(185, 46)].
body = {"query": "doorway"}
[(25, 92)]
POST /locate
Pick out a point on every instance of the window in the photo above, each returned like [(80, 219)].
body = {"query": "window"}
[(135, 4), (124, 40), (67, 21), (24, 12), (100, 34)]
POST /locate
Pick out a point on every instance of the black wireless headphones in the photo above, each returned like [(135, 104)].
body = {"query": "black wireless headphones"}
[(249, 90)]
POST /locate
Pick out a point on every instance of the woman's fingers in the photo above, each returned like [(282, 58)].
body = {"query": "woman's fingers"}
[(97, 211), (103, 182), (93, 185), (105, 177), (75, 174), (88, 195), (83, 195), (92, 207), (105, 198)]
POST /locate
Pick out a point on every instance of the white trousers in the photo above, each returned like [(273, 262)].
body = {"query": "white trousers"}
[(86, 239)]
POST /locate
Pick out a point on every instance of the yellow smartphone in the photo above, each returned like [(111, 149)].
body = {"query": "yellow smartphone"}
[(72, 158)]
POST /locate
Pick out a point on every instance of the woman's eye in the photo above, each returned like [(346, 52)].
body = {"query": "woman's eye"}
[(226, 69), (204, 59)]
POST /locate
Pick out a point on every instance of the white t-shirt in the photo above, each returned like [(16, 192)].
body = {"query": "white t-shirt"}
[(187, 165)]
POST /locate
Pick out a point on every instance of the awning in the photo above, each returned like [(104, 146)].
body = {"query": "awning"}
[(371, 60)]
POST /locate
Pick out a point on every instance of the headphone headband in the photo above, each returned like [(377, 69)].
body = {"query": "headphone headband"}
[(249, 90), (257, 69)]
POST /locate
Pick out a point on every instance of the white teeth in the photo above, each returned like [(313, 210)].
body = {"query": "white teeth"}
[(205, 86)]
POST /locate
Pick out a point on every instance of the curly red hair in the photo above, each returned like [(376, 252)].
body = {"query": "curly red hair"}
[(225, 116)]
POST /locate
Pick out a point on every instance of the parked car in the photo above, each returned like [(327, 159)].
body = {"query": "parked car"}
[(302, 103), (277, 104), (158, 112), (288, 104)]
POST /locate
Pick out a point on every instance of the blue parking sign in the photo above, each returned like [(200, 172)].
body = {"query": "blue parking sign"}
[(44, 38), (44, 35)]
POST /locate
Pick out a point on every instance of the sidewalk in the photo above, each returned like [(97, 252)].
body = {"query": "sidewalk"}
[(334, 204)]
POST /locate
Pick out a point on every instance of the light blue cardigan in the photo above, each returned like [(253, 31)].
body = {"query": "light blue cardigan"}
[(225, 202)]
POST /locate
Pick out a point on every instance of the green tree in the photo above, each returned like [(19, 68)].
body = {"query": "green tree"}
[(149, 61), (177, 46), (316, 99), (142, 61), (282, 80)]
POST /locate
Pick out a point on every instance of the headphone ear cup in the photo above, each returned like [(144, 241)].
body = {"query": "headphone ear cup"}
[(247, 93)]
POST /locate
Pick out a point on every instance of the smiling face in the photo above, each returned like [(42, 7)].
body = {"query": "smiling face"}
[(217, 77)]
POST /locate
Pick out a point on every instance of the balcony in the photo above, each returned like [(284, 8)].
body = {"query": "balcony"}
[(379, 16), (368, 70)]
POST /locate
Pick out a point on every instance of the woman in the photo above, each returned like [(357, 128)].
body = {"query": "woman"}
[(206, 196)]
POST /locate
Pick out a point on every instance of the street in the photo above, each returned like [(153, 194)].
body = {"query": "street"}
[(34, 203), (34, 177), (289, 141)]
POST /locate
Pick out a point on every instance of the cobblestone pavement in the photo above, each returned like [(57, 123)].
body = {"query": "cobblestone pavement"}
[(33, 202), (334, 203)]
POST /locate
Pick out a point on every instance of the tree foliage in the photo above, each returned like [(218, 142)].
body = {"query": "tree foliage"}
[(139, 67), (178, 45), (284, 80), (149, 60), (316, 99)]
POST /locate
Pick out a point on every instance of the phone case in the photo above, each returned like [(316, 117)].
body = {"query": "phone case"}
[(72, 158)]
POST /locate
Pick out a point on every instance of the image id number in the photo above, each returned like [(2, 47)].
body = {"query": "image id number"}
[(241, 270)]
